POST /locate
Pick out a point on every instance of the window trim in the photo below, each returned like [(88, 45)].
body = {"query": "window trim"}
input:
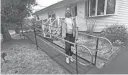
[(105, 9), (38, 18), (96, 7)]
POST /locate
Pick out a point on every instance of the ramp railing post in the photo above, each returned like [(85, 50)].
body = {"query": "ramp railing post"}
[(97, 41), (76, 38), (43, 30), (50, 27), (76, 59), (35, 37), (21, 31)]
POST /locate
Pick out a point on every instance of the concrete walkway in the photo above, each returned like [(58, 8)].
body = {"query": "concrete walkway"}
[(55, 53), (119, 65)]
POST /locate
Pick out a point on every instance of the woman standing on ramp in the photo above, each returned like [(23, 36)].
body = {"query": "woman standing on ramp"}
[(68, 32)]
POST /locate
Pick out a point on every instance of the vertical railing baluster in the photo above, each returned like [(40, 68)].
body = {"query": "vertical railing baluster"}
[(76, 59)]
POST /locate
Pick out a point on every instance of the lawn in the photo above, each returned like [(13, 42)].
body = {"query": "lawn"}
[(23, 58)]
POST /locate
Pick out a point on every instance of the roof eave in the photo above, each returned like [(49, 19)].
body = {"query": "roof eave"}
[(38, 12), (49, 7)]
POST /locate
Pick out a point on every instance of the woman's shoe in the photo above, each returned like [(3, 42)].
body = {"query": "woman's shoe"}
[(67, 60)]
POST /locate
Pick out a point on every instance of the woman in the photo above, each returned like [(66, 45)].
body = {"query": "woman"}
[(69, 33)]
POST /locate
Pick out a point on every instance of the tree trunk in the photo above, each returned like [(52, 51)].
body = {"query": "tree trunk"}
[(5, 33)]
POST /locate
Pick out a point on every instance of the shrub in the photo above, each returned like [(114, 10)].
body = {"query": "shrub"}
[(91, 26), (26, 27), (116, 32)]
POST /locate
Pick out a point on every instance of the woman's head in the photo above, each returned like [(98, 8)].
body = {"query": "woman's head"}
[(68, 13)]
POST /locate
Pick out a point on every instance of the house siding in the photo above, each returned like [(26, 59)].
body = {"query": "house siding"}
[(120, 17), (60, 12), (43, 16), (81, 21)]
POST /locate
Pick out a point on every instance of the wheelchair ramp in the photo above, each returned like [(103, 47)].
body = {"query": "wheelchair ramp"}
[(57, 54)]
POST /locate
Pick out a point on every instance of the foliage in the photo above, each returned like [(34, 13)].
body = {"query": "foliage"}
[(13, 12), (27, 23), (16, 10), (116, 32), (91, 26)]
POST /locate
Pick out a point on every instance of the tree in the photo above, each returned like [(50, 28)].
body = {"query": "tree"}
[(14, 11)]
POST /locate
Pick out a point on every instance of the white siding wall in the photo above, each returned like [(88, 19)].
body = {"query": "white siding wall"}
[(43, 16), (121, 16), (82, 21), (60, 12)]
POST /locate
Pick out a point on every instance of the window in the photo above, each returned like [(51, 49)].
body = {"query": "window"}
[(73, 10), (92, 7), (101, 7), (51, 15), (110, 6)]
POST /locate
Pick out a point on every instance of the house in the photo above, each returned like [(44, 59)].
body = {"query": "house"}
[(100, 13)]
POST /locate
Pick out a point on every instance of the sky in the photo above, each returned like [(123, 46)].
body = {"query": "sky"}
[(44, 3)]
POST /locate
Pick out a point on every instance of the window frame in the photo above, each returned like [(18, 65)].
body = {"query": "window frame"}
[(105, 9)]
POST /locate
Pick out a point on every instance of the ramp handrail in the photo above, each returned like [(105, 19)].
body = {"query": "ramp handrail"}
[(76, 43), (99, 38), (71, 43), (89, 35), (50, 25)]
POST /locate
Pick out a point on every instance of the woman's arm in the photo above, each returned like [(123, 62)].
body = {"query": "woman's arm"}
[(74, 27), (64, 26)]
